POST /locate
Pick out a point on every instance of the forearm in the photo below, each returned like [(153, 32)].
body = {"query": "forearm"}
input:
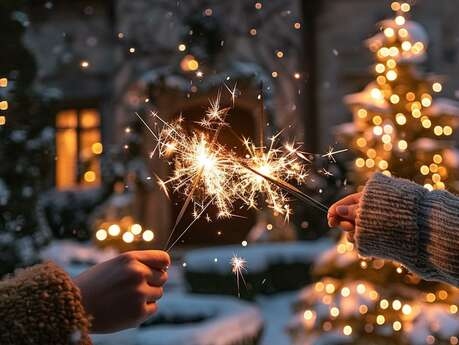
[(402, 221), (41, 305)]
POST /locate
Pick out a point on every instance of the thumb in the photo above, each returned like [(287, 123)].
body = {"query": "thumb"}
[(347, 211)]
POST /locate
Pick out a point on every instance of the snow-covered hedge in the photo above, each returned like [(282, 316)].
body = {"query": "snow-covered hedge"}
[(194, 320), (271, 267)]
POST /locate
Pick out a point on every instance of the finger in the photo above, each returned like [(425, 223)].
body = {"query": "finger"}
[(150, 308), (333, 222), (153, 293), (347, 226), (157, 277), (348, 200), (348, 212), (156, 259), (350, 236)]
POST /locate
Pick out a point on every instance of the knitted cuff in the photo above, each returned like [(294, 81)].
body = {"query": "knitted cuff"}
[(386, 224), (41, 305)]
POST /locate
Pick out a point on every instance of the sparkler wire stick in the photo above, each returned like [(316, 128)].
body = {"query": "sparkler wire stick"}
[(289, 189), (191, 224)]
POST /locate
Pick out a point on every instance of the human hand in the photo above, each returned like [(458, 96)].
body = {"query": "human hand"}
[(122, 292), (343, 212)]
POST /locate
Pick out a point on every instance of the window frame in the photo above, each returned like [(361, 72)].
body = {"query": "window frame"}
[(79, 130)]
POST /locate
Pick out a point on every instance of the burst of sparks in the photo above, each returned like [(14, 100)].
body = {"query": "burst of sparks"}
[(208, 173), (239, 266)]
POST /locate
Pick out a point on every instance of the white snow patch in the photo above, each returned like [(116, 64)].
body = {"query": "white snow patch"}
[(258, 256), (228, 321)]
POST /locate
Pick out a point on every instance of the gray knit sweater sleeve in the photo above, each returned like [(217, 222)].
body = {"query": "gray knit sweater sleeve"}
[(402, 221)]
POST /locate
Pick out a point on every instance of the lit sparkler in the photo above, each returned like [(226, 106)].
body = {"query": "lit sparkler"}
[(208, 173), (238, 267)]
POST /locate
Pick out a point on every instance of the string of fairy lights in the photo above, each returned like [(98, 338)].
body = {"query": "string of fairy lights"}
[(343, 298), (395, 88), (3, 103)]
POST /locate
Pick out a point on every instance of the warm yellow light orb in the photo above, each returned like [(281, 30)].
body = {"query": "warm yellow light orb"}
[(424, 170), (376, 93), (380, 68), (308, 315), (181, 47), (380, 319), (360, 162), (437, 87), (430, 297), (377, 120), (386, 139), (395, 6), (384, 304), (347, 330), (148, 235), (394, 99), (101, 234), (136, 229), (391, 75), (114, 230), (383, 165), (3, 105), (437, 158), (400, 20), (389, 32), (363, 309), (402, 145), (97, 148), (406, 309), (89, 176), (400, 119), (405, 7), (447, 130), (345, 291), (406, 46), (361, 142), (128, 237), (391, 63), (377, 130), (334, 312), (403, 33), (397, 326), (396, 305), (438, 130), (362, 113), (426, 123)]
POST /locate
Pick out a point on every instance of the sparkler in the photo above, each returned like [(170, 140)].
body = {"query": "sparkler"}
[(238, 267), (208, 173)]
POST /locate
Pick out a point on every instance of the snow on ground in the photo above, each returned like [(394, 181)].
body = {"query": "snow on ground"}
[(258, 256), (276, 312), (208, 320)]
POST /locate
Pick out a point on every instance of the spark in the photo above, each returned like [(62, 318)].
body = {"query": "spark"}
[(233, 93), (239, 266), (326, 172), (331, 153)]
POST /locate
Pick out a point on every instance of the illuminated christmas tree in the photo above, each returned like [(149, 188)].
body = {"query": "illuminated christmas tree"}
[(398, 129)]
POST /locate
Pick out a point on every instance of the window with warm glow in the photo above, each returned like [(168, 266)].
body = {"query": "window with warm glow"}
[(78, 148)]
